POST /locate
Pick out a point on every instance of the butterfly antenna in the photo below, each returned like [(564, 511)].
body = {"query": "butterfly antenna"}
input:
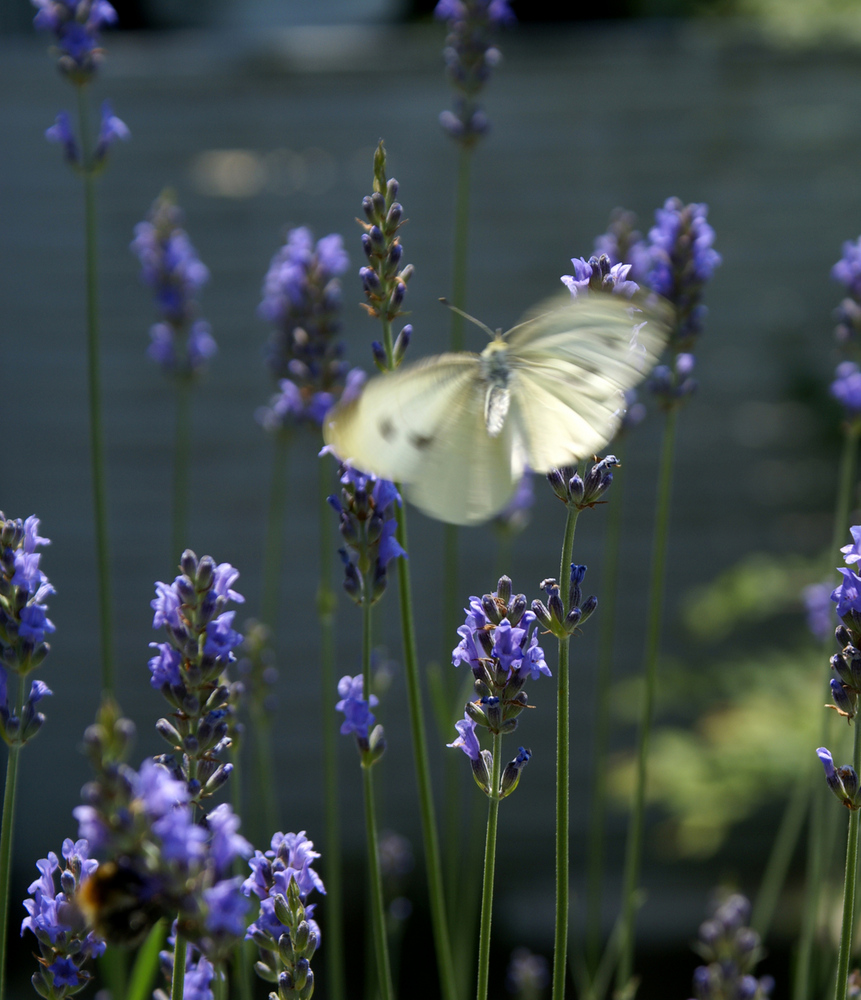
[(493, 334)]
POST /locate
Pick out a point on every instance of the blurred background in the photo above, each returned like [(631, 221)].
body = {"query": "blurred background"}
[(264, 114)]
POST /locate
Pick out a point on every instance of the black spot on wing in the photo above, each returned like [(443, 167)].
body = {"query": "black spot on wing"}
[(387, 430), (421, 442)]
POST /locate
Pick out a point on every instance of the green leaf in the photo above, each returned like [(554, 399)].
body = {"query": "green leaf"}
[(145, 968)]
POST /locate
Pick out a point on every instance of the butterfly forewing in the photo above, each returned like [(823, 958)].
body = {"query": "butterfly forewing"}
[(400, 417)]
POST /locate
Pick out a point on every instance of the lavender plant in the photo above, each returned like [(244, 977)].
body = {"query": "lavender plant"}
[(500, 645), (24, 624), (366, 510), (180, 343), (681, 261), (76, 27), (385, 284)]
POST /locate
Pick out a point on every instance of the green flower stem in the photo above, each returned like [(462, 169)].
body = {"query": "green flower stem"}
[(849, 883), (6, 829), (782, 850), (461, 245), (634, 845), (451, 590), (601, 737), (181, 461), (820, 815), (326, 605), (97, 452), (378, 912), (219, 983), (563, 768), (378, 916), (436, 895), (489, 868), (179, 955), (242, 959), (272, 560)]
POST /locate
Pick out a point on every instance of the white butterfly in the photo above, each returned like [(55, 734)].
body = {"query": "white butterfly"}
[(457, 431)]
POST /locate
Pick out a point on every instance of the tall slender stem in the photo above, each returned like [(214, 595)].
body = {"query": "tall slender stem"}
[(634, 845), (97, 458), (563, 768), (181, 462), (489, 869), (433, 866), (601, 736), (461, 245), (378, 913), (849, 884), (272, 559), (326, 604), (177, 984), (7, 826)]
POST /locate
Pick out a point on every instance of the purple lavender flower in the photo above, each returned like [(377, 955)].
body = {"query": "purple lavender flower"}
[(226, 907), (180, 343), (65, 943), (598, 274), (384, 277), (819, 608), (682, 262), (282, 879), (500, 647), (189, 669), (226, 844), (846, 388), (732, 950), (623, 242), (110, 130), (24, 622), (367, 522), (466, 740), (302, 301), (357, 710), (672, 385), (62, 133), (75, 25), (469, 58)]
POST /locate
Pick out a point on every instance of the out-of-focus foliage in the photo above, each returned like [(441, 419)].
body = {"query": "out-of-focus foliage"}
[(757, 718)]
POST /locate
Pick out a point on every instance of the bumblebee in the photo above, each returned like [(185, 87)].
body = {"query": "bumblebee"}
[(121, 903)]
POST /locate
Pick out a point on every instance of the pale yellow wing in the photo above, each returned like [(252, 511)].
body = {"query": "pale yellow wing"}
[(571, 362)]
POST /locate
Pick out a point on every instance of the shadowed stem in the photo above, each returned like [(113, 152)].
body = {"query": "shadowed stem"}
[(563, 768), (820, 816), (272, 559), (378, 913), (634, 845), (326, 605), (181, 461), (6, 829), (489, 870), (849, 883), (597, 814), (179, 957), (436, 895), (97, 454)]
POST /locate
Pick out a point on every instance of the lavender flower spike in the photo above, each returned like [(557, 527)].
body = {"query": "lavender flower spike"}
[(75, 25)]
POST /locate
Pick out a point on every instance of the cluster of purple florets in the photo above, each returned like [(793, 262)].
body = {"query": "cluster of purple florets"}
[(470, 58), (732, 951), (368, 525), (160, 859), (302, 301), (846, 387), (24, 623), (179, 342), (75, 25), (600, 275), (190, 669), (65, 942)]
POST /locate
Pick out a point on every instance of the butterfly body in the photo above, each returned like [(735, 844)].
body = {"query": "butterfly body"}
[(459, 430)]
